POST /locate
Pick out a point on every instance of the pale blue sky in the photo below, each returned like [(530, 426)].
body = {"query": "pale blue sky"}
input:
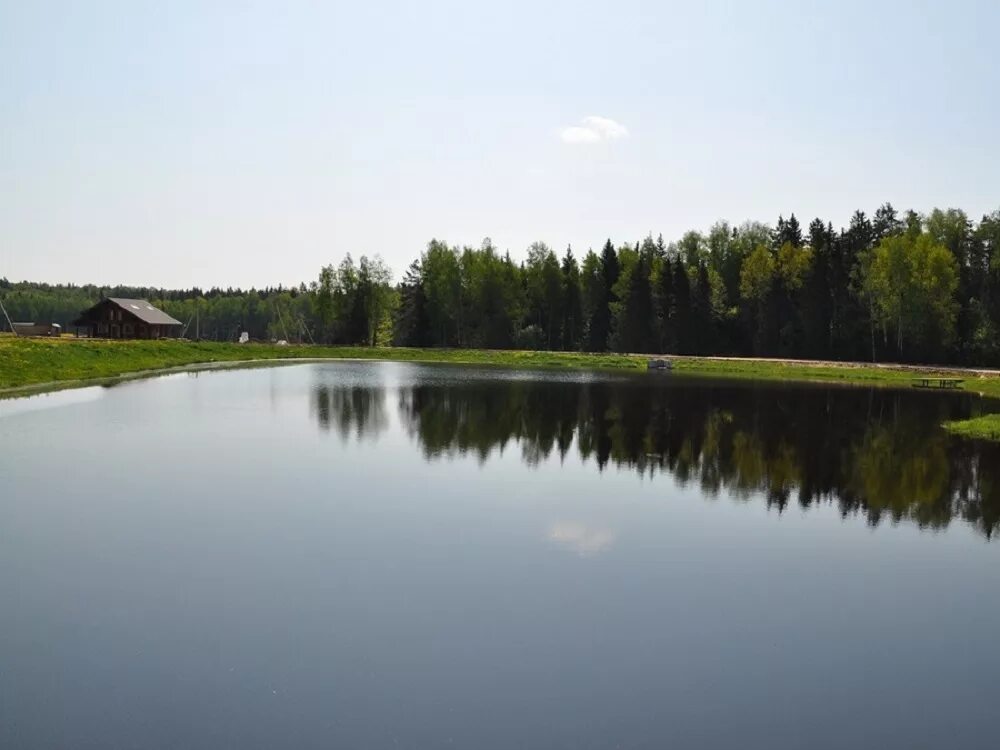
[(179, 143)]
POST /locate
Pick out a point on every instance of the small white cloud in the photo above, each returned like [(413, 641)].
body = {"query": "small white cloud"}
[(593, 129), (579, 135), (581, 539), (609, 129)]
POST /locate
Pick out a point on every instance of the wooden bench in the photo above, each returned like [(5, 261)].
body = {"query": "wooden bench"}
[(942, 383)]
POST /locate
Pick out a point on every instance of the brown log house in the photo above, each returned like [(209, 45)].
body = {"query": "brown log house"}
[(118, 318)]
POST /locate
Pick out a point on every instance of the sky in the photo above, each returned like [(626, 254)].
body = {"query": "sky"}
[(248, 144)]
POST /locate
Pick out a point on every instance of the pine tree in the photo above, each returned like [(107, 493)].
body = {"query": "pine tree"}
[(787, 232), (852, 318), (412, 326), (703, 323), (599, 324), (681, 314), (572, 322), (817, 299), (885, 223), (664, 299), (634, 331)]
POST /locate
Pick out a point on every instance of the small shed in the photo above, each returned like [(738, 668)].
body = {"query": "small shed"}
[(37, 329), (119, 318)]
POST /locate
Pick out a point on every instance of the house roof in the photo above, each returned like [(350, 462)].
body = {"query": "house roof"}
[(140, 308), (145, 312)]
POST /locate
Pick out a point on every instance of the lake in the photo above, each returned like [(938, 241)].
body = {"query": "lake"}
[(380, 555)]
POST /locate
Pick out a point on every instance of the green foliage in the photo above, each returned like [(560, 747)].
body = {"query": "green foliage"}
[(544, 285), (912, 281), (691, 248), (594, 296), (411, 326), (323, 301), (757, 275), (792, 265), (599, 326), (681, 320), (442, 280), (572, 297), (986, 427), (634, 315), (756, 284), (493, 297)]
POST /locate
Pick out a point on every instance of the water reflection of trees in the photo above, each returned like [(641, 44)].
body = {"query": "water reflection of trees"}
[(351, 410), (873, 452)]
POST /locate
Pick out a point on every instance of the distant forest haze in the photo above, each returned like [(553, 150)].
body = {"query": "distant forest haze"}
[(889, 287)]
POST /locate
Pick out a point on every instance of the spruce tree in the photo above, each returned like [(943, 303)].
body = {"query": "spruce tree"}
[(572, 322), (599, 325), (412, 326), (703, 320), (664, 299), (634, 330), (682, 312)]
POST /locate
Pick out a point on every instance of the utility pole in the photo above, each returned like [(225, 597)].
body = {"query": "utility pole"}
[(12, 329), (281, 320), (305, 328)]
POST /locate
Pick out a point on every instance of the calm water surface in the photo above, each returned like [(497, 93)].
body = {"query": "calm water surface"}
[(396, 556)]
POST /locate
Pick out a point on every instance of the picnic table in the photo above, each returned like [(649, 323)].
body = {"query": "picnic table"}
[(937, 382)]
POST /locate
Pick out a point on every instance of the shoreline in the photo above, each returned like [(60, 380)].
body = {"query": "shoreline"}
[(31, 366)]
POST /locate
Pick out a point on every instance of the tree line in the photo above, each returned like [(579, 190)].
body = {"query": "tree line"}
[(892, 287)]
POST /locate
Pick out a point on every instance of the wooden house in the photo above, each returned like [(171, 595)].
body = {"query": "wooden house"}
[(117, 318)]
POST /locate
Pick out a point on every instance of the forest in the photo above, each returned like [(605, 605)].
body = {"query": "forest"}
[(892, 286)]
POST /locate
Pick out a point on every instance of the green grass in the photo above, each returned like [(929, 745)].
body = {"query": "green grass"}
[(31, 362), (37, 362), (981, 428), (830, 372)]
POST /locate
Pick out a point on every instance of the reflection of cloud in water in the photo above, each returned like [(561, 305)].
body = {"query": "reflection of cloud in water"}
[(581, 538)]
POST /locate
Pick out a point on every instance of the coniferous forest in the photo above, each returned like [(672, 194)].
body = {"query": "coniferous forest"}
[(891, 286)]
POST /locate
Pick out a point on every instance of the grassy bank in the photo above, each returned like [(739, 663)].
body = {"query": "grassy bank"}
[(29, 362), (981, 428)]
